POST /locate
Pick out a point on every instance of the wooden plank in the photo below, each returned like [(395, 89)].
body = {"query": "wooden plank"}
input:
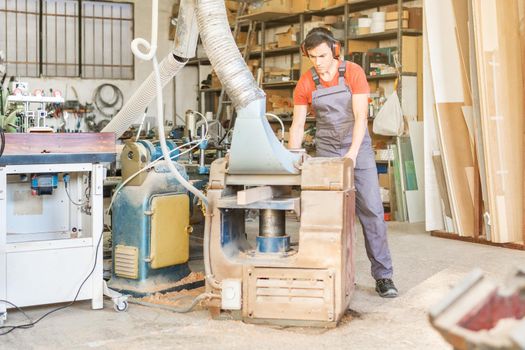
[(461, 23), (82, 143), (469, 173), (434, 215), (254, 194), (521, 12), (448, 235), (447, 71), (454, 137), (481, 191), (499, 66), (440, 175)]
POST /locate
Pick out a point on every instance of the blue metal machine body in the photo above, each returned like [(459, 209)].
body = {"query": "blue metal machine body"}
[(131, 226)]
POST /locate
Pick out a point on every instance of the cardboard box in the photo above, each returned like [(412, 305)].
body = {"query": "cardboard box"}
[(305, 64), (243, 36), (311, 25), (286, 38), (391, 16), (340, 2), (271, 6), (315, 5), (215, 82), (330, 19), (299, 6), (415, 18), (232, 5), (410, 54), (390, 25), (384, 180)]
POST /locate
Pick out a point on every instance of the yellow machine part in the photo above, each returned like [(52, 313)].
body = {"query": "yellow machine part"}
[(170, 243)]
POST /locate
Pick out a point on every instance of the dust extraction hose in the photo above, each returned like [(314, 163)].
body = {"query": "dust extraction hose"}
[(144, 95), (224, 54)]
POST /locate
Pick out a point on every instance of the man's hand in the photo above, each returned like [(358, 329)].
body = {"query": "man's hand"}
[(352, 155), (303, 157)]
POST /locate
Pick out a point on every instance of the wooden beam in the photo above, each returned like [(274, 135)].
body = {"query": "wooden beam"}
[(499, 66), (59, 143), (254, 194)]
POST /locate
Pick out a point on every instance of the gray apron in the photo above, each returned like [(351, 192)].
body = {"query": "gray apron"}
[(335, 122), (335, 125)]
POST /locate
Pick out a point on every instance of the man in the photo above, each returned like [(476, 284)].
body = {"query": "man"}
[(338, 93)]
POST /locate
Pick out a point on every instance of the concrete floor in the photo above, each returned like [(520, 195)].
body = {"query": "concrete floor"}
[(425, 269)]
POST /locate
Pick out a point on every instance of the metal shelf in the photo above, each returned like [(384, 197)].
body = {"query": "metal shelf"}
[(211, 90), (197, 61), (386, 35), (280, 84), (389, 76), (276, 52)]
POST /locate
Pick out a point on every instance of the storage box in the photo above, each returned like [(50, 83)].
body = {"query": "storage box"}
[(271, 6), (215, 82), (415, 19), (286, 38), (299, 6), (232, 5), (390, 25), (330, 19), (305, 64), (311, 25), (315, 5), (242, 36), (391, 16), (410, 54), (384, 180)]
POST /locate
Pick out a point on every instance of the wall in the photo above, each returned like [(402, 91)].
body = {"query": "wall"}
[(86, 87)]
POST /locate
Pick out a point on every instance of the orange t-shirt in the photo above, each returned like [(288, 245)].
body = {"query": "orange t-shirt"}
[(355, 78)]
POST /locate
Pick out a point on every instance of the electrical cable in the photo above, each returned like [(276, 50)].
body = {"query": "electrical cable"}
[(141, 124), (115, 104), (72, 201), (2, 137), (152, 164), (280, 122), (183, 309), (33, 323)]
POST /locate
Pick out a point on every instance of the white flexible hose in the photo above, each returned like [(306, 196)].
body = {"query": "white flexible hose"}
[(151, 55), (162, 139), (152, 45), (280, 122), (152, 164)]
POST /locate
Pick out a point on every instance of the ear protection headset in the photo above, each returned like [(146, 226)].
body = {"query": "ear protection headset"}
[(335, 45)]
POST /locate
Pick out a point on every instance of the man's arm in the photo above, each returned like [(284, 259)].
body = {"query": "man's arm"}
[(360, 108), (297, 128)]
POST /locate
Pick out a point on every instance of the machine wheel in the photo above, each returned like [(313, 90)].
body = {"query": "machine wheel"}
[(121, 306)]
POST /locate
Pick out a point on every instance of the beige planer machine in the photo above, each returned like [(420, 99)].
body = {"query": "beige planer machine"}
[(272, 282)]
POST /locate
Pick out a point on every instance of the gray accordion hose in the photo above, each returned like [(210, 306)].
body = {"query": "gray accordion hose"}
[(224, 54)]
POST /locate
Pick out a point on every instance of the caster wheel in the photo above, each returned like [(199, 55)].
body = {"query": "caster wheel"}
[(121, 307)]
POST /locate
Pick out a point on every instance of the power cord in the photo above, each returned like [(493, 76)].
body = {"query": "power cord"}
[(33, 323), (2, 136), (66, 182)]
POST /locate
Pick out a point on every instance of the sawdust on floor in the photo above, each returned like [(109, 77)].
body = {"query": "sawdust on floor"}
[(181, 297)]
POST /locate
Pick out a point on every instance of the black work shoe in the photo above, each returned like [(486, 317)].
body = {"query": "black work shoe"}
[(385, 288)]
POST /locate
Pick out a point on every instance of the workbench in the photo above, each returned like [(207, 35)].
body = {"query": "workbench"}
[(48, 243)]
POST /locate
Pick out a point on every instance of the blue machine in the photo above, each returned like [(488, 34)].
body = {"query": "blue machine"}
[(150, 224)]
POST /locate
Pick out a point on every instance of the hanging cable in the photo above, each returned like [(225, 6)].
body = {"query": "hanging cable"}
[(152, 164), (280, 122), (2, 138), (108, 108), (33, 323)]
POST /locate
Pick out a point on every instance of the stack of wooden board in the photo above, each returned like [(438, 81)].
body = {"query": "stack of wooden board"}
[(474, 124)]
